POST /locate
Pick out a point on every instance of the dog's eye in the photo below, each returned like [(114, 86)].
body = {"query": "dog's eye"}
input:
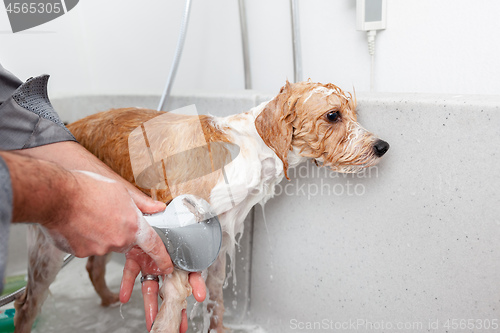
[(333, 116)]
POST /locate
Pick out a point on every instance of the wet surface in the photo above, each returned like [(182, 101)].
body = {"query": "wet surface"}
[(73, 306)]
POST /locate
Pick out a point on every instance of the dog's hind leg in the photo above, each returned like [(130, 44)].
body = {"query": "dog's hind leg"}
[(215, 282), (96, 267), (44, 262)]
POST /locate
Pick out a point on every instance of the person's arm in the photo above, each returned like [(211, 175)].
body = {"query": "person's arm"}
[(5, 217), (91, 215), (29, 124), (73, 156), (137, 261)]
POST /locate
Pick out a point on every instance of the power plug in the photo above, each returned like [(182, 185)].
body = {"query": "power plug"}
[(371, 15)]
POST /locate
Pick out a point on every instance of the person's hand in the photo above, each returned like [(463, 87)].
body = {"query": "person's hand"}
[(72, 156), (93, 196), (139, 262), (96, 216), (155, 258)]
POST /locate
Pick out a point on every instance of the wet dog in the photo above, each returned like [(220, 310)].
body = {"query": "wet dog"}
[(305, 120)]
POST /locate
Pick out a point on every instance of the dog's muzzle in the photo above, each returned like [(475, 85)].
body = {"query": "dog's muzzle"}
[(380, 148)]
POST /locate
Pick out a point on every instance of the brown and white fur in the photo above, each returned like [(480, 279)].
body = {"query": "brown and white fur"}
[(298, 124)]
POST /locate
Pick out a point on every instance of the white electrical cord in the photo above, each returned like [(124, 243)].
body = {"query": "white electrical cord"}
[(371, 15), (371, 48)]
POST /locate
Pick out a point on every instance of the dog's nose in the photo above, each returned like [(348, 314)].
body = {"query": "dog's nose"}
[(380, 148)]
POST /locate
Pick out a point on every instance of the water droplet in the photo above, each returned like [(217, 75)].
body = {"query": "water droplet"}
[(121, 312)]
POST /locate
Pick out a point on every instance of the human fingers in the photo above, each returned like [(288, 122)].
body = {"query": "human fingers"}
[(150, 296), (130, 272), (149, 241), (198, 284), (145, 203)]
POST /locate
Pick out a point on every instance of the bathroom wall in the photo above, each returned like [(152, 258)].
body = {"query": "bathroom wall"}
[(411, 245), (125, 46)]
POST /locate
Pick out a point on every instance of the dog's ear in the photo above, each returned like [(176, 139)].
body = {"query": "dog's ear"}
[(274, 124)]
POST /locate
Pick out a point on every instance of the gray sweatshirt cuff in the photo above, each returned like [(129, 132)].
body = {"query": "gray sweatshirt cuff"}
[(28, 119), (5, 216)]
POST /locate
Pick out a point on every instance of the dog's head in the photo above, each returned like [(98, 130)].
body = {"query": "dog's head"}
[(318, 121)]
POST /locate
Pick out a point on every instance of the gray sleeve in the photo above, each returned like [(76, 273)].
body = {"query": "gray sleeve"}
[(8, 84), (5, 216), (27, 118)]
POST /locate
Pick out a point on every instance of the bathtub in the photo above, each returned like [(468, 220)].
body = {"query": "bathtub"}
[(411, 245)]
